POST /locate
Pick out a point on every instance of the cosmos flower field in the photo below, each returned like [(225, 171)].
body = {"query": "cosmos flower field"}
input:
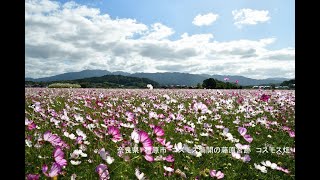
[(159, 134)]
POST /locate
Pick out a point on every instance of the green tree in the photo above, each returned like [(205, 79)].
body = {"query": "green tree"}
[(209, 83), (199, 86)]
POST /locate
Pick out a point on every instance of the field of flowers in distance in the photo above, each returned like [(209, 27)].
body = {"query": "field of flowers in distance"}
[(159, 134)]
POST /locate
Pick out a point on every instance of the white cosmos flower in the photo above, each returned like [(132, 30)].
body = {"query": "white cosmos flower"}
[(104, 126), (225, 131), (80, 133), (91, 126), (28, 143), (204, 134), (72, 136), (135, 136), (261, 168), (86, 142), (169, 169), (178, 147), (105, 156), (269, 164), (139, 175), (83, 147), (198, 154), (242, 147), (75, 162), (66, 134), (83, 154), (236, 155), (76, 153), (274, 166), (73, 177), (78, 118)]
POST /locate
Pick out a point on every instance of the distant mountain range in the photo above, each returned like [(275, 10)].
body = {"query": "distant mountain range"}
[(167, 78)]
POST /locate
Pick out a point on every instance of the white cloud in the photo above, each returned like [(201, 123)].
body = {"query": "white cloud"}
[(205, 20), (250, 17), (158, 32), (72, 37)]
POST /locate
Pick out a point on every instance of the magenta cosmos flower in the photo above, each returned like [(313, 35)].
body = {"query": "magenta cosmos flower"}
[(218, 175), (54, 171), (147, 145), (54, 139), (265, 97), (58, 155), (115, 133), (158, 131)]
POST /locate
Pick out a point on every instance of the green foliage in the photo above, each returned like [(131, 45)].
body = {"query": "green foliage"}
[(291, 83), (64, 85), (199, 86), (216, 84), (209, 83)]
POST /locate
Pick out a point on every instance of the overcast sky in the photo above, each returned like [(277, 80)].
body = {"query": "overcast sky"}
[(252, 38)]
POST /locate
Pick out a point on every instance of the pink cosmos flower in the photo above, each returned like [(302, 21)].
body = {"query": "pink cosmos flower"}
[(33, 176), (169, 158), (283, 169), (161, 116), (158, 131), (200, 107), (242, 131), (115, 132), (79, 140), (246, 158), (218, 175), (54, 139), (102, 171), (236, 155), (31, 125), (286, 128), (168, 146), (161, 140), (147, 145), (292, 134), (130, 116), (188, 129), (237, 81), (248, 138), (226, 79), (219, 126), (149, 157), (153, 115), (58, 155), (54, 171)]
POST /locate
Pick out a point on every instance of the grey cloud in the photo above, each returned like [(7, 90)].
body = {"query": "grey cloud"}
[(158, 51), (281, 57)]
